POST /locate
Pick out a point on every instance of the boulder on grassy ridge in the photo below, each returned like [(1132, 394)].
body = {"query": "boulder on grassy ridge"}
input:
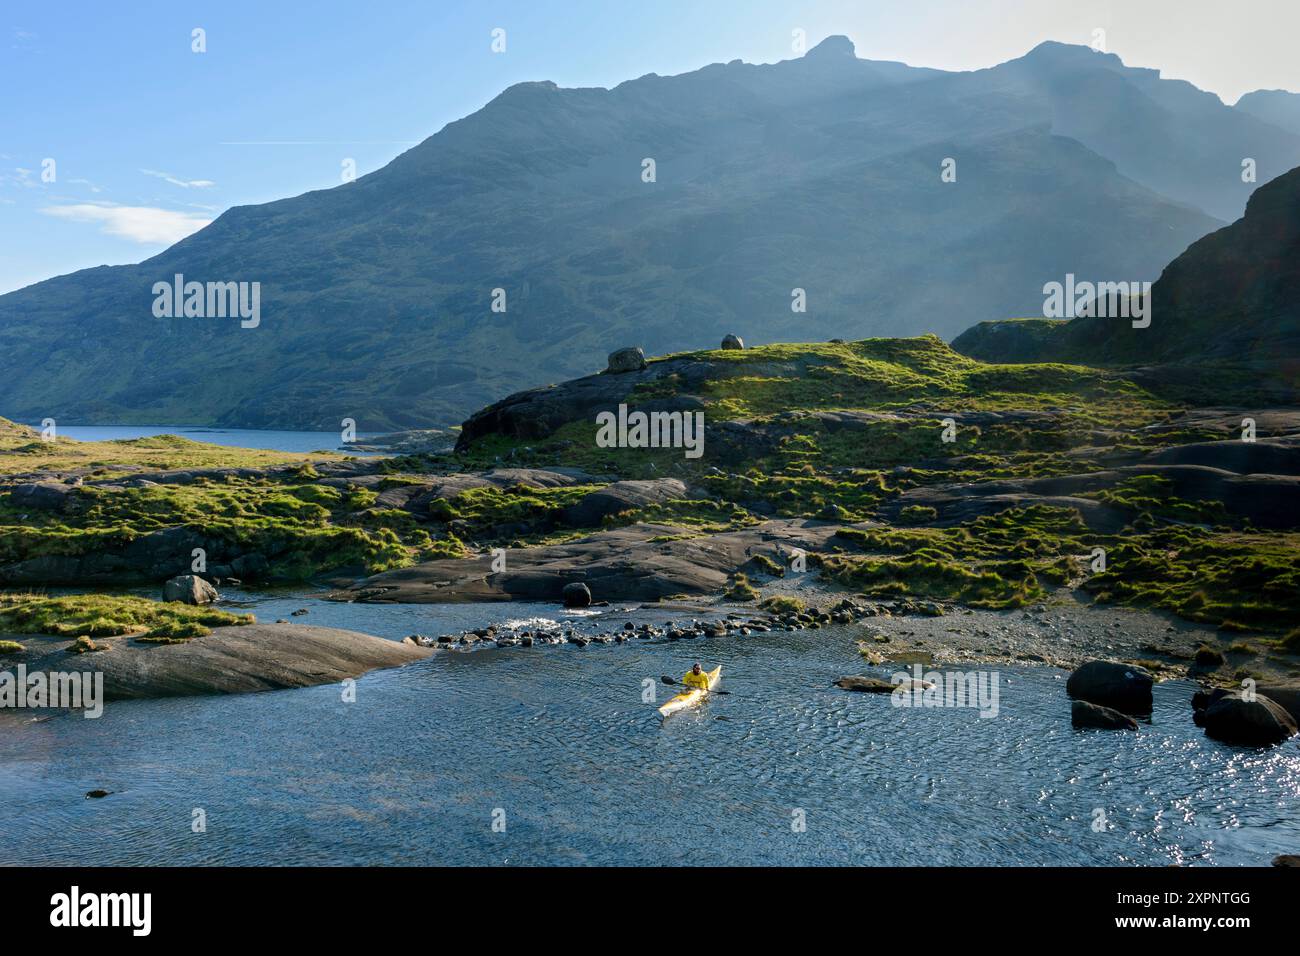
[(1109, 684), (630, 359), (733, 342)]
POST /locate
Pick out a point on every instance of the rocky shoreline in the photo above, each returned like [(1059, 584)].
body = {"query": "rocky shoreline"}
[(1063, 634), (1037, 514), (1112, 657)]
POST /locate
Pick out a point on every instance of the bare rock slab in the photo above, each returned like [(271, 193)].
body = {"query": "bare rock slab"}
[(230, 660)]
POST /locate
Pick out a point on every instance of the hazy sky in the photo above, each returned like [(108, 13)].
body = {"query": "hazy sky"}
[(151, 140)]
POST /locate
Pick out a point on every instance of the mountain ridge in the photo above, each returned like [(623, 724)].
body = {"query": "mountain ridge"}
[(819, 173)]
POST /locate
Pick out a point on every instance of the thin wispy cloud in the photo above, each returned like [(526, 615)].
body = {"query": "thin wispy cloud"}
[(147, 225), (177, 181)]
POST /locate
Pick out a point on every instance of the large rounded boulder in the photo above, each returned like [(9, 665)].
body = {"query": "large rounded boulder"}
[(576, 594), (626, 360), (1122, 687), (1257, 722), (189, 589), (733, 342)]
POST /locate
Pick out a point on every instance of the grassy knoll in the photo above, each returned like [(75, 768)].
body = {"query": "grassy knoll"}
[(1015, 421), (911, 385), (22, 450)]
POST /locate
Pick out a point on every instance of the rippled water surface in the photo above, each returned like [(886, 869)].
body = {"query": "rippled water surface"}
[(558, 743)]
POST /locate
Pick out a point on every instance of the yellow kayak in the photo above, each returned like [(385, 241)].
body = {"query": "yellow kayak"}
[(693, 696)]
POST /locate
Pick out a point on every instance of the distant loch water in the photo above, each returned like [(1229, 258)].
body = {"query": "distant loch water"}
[(560, 745), (290, 441)]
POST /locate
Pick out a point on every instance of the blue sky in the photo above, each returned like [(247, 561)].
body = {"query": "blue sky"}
[(150, 140)]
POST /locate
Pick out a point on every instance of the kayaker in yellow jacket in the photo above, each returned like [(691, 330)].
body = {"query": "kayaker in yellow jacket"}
[(695, 677)]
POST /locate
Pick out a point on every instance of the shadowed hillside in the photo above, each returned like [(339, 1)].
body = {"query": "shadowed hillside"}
[(820, 173), (1225, 311)]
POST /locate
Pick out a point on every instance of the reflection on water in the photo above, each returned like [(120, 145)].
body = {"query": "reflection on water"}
[(561, 740)]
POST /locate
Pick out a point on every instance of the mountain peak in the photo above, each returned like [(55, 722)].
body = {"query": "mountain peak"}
[(1057, 52), (833, 48)]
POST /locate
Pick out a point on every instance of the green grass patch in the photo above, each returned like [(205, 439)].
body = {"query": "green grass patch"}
[(998, 561), (22, 450), (765, 565), (301, 529), (784, 604), (741, 589), (917, 514), (104, 615), (1235, 580)]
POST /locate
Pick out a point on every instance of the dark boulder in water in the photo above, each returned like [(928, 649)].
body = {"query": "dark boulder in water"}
[(576, 594), (1257, 722), (1122, 687), (1286, 696), (1084, 714)]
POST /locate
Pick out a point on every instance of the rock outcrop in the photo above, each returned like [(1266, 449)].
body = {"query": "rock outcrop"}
[(643, 562), (622, 496), (1245, 277), (230, 660), (874, 685), (1267, 500)]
